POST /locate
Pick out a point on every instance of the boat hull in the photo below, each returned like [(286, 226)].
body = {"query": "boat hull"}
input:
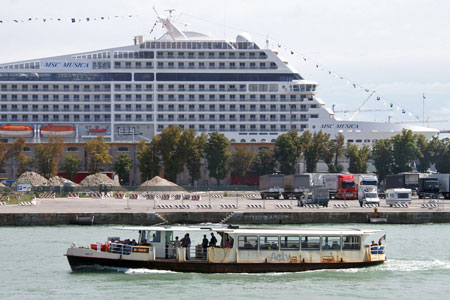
[(78, 263)]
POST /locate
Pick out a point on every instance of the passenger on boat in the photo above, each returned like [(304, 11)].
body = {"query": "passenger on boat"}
[(227, 244), (204, 246), (213, 241), (186, 242)]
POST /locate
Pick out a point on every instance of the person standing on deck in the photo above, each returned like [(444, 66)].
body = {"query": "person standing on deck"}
[(204, 246), (213, 241), (187, 244)]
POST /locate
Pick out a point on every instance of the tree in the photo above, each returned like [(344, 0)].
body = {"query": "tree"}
[(358, 158), (217, 154), (240, 161), (48, 156), (71, 165), (314, 147), (339, 148), (440, 154), (287, 151), (122, 166), (148, 158), (263, 162), (404, 151), (98, 153), (172, 153), (3, 155), (196, 153), (423, 153), (382, 158), (15, 152)]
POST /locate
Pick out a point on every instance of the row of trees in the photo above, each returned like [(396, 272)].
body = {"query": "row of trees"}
[(176, 149)]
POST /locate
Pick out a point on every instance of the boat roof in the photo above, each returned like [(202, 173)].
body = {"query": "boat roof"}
[(256, 230)]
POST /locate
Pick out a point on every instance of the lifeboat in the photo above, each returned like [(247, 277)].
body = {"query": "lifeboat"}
[(57, 130), (16, 131), (97, 130)]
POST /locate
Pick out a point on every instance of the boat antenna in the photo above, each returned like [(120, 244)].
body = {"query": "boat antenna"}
[(423, 109)]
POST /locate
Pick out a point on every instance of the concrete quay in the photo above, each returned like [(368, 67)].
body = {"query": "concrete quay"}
[(230, 210)]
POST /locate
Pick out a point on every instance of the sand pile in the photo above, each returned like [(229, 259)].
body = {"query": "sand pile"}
[(34, 178), (60, 181), (162, 184), (2, 185), (98, 179)]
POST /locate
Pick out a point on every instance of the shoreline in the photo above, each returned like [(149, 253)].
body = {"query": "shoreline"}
[(226, 217)]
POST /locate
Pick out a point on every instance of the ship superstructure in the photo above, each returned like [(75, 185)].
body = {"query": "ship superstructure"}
[(184, 78)]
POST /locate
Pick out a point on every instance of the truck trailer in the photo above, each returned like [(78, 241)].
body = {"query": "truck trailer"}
[(271, 185), (296, 186), (444, 184), (403, 180), (340, 186), (428, 188)]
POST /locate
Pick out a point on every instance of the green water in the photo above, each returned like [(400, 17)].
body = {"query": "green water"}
[(32, 266)]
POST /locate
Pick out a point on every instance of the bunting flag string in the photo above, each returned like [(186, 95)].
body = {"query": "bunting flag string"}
[(68, 19), (355, 85)]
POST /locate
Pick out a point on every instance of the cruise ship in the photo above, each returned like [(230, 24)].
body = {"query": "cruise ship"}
[(184, 78)]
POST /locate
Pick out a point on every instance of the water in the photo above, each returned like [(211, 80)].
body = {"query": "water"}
[(32, 266)]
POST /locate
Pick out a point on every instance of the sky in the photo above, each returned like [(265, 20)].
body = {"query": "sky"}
[(400, 49)]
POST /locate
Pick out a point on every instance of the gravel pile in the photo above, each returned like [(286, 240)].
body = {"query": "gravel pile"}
[(34, 178), (158, 183), (60, 181), (98, 179)]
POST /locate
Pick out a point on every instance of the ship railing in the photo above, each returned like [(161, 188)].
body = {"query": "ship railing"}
[(376, 252)]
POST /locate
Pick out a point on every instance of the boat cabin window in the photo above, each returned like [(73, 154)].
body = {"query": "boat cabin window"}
[(268, 243), (310, 242), (248, 242), (290, 242), (155, 237), (331, 243), (351, 242)]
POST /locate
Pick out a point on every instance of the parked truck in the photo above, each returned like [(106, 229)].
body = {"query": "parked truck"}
[(271, 185), (367, 189), (340, 186), (403, 180), (428, 188), (444, 184), (318, 196), (296, 186)]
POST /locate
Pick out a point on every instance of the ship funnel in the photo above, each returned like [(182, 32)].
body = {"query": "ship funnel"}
[(139, 39)]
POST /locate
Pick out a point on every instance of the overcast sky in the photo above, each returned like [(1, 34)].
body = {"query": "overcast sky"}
[(401, 49)]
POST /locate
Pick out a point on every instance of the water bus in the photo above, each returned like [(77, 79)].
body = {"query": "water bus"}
[(238, 250)]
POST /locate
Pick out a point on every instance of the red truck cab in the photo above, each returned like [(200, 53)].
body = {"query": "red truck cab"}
[(347, 188)]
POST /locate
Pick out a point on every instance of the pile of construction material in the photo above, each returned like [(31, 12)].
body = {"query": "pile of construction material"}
[(98, 179), (60, 181), (34, 178), (160, 184)]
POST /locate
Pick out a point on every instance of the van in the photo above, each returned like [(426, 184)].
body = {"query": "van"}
[(398, 196)]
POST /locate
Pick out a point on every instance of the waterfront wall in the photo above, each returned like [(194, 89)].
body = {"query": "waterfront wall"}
[(151, 218)]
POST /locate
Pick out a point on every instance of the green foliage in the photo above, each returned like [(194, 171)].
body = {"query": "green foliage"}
[(172, 153), (423, 153), (240, 161), (71, 165), (48, 156), (314, 146), (263, 162), (20, 160), (122, 166), (404, 151), (358, 158), (383, 158), (440, 154), (98, 153), (287, 151), (217, 155), (148, 157), (195, 156)]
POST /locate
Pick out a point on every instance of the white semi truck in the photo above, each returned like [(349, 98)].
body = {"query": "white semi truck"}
[(367, 189)]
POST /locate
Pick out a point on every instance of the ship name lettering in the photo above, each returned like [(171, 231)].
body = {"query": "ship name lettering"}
[(279, 257), (347, 126)]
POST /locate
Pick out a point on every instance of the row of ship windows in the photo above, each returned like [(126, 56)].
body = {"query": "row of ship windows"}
[(240, 128), (149, 97), (198, 45), (76, 149), (211, 65), (66, 118), (211, 55), (149, 87), (235, 118)]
